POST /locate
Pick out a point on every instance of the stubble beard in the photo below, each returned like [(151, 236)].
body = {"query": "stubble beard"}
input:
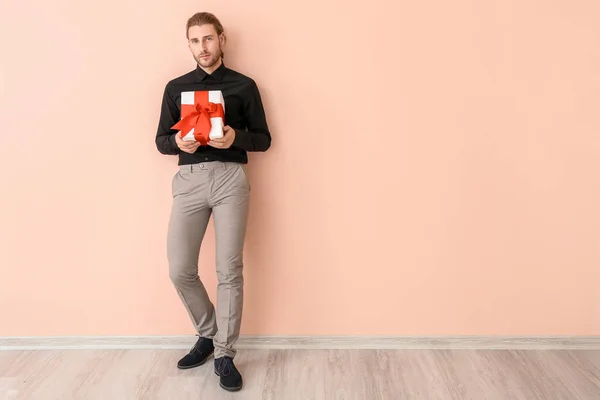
[(210, 62)]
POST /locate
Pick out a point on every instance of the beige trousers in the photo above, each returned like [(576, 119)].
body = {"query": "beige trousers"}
[(199, 190)]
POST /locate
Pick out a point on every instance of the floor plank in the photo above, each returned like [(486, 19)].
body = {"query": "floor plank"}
[(305, 375)]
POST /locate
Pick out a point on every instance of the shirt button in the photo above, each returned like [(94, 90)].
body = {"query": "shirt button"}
[(206, 158)]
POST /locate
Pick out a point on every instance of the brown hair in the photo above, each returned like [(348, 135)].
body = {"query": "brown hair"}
[(203, 18)]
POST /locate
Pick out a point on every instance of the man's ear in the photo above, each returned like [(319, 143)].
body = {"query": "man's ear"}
[(222, 39)]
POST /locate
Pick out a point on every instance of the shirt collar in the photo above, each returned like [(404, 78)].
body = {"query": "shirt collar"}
[(217, 74)]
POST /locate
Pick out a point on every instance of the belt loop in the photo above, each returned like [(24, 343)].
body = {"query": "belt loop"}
[(191, 168)]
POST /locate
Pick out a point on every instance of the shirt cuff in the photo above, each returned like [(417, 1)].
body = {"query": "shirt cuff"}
[(241, 139), (173, 142)]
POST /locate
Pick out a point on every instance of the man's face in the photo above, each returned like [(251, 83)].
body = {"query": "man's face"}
[(205, 45)]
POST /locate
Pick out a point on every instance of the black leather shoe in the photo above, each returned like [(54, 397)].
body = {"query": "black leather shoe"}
[(230, 378), (198, 354)]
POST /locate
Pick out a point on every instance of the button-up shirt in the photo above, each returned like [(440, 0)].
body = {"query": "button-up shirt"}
[(243, 112)]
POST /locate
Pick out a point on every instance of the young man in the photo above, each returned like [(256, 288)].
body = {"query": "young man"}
[(211, 181)]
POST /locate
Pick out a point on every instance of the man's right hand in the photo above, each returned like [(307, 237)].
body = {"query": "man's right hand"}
[(188, 147)]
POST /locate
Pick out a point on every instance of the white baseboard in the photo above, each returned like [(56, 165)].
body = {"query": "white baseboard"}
[(308, 342)]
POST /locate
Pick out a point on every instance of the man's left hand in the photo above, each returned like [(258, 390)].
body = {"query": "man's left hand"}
[(226, 141)]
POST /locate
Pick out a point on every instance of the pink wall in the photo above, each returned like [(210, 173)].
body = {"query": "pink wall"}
[(434, 169)]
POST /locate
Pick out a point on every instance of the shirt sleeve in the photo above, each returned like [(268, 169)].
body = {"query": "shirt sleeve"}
[(256, 136), (169, 115)]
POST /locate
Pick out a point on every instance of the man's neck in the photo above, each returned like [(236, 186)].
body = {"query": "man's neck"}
[(213, 68)]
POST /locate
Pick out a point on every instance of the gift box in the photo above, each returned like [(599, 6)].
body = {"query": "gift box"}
[(202, 116)]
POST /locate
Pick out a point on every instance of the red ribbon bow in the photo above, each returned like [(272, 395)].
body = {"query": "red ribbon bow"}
[(199, 119)]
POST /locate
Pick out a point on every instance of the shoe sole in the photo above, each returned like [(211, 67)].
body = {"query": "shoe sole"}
[(229, 389), (196, 365)]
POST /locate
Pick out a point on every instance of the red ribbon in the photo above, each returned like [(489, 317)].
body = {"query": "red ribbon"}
[(199, 119)]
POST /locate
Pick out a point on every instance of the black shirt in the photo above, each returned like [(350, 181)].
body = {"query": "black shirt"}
[(243, 112)]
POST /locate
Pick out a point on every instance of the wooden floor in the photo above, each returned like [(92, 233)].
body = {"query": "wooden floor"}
[(304, 375)]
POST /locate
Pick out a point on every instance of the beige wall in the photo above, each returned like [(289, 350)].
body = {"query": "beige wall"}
[(434, 170)]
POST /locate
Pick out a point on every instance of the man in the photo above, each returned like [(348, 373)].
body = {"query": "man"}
[(211, 180)]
